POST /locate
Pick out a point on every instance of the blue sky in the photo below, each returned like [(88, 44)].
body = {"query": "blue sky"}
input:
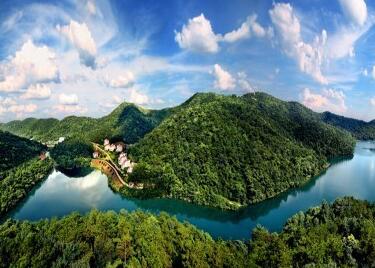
[(84, 57)]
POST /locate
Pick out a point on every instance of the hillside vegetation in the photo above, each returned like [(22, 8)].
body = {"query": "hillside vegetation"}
[(127, 122), (20, 169), (15, 150), (337, 235), (360, 129), (228, 151), (223, 151)]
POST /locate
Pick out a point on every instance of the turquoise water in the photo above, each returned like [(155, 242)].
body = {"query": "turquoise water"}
[(59, 195)]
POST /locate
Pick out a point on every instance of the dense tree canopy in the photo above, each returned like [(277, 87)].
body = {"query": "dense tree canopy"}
[(72, 153), (15, 150), (127, 122), (228, 151), (337, 235), (360, 129), (18, 181)]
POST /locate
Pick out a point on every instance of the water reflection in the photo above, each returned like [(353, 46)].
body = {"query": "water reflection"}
[(61, 194)]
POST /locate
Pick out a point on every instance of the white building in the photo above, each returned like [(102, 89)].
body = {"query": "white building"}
[(95, 154), (106, 142), (61, 139), (119, 148)]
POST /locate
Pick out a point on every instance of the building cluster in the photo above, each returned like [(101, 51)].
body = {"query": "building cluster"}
[(115, 147), (118, 147), (125, 163)]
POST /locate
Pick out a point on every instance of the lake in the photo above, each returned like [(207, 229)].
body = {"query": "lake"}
[(59, 195)]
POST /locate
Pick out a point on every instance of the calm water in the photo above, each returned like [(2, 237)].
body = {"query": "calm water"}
[(59, 195)]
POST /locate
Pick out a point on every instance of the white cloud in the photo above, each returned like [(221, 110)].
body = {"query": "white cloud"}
[(250, 26), (372, 101), (68, 99), (364, 72), (328, 100), (308, 56), (80, 37), (127, 79), (223, 79), (31, 64), (244, 83), (198, 36), (7, 101), (70, 109), (37, 91), (21, 109), (355, 10), (373, 72), (134, 96), (91, 8)]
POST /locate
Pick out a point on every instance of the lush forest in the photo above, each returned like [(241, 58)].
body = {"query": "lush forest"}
[(223, 151), (15, 150), (360, 129), (18, 181), (127, 122), (228, 151), (20, 169), (71, 154), (337, 235)]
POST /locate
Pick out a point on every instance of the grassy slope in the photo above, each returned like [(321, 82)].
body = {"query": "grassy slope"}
[(227, 151)]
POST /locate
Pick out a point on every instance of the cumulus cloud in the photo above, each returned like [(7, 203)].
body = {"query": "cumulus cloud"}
[(23, 108), (80, 37), (67, 99), (250, 26), (134, 96), (127, 79), (308, 56), (328, 100), (70, 109), (355, 10), (68, 104), (198, 36), (223, 79), (244, 83), (37, 91), (31, 64), (372, 101)]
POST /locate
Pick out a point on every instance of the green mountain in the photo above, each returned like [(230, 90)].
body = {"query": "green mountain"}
[(360, 129), (15, 150), (127, 122), (229, 151), (20, 169), (338, 235), (223, 151)]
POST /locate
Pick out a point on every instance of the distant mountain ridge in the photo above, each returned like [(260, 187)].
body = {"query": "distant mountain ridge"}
[(127, 121), (360, 129)]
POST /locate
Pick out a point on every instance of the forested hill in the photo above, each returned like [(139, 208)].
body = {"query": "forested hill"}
[(127, 121), (15, 150), (228, 151), (337, 235), (360, 129)]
